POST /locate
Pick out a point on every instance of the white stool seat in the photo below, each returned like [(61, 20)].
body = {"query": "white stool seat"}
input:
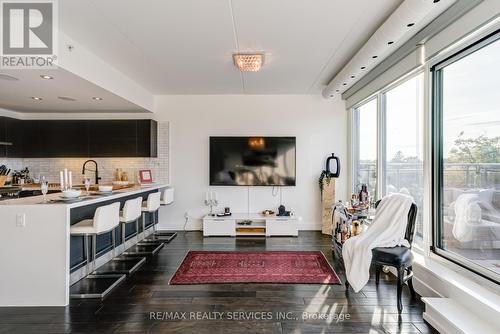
[(131, 210), (106, 219), (150, 206), (153, 202), (131, 213), (84, 227), (167, 196)]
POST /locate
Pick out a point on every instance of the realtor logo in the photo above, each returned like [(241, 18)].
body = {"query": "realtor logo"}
[(28, 34)]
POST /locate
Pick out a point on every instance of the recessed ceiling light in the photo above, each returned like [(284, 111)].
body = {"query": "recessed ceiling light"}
[(374, 57), (331, 95), (97, 98), (337, 90), (435, 1), (36, 98), (8, 77), (46, 77), (248, 62), (391, 42), (353, 76), (344, 84), (65, 98), (410, 24), (363, 67)]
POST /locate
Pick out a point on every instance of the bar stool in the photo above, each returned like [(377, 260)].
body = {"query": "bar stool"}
[(167, 198), (131, 213), (151, 205), (106, 219)]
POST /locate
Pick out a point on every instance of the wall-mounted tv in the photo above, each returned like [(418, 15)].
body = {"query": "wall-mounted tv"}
[(252, 161)]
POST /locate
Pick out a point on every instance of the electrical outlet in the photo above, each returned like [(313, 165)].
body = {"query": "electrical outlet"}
[(21, 220)]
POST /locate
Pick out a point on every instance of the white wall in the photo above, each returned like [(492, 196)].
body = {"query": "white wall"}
[(320, 126)]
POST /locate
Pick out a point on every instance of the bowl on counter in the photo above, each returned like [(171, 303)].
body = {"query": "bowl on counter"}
[(71, 193), (105, 189)]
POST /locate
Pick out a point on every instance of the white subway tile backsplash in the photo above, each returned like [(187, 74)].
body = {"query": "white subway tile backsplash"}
[(50, 167)]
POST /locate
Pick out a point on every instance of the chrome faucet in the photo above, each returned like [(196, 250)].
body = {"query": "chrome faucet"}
[(96, 171)]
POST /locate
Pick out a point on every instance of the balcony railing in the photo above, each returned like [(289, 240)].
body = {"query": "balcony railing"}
[(463, 175)]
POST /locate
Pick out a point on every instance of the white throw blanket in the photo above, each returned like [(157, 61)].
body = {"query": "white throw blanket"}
[(467, 213), (386, 230)]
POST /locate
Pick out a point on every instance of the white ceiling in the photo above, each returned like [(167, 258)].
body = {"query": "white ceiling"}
[(17, 95), (186, 46)]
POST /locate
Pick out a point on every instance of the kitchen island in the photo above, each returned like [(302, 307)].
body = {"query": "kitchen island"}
[(39, 258)]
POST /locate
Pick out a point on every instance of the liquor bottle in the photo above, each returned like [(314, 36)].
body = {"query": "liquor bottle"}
[(344, 232), (363, 194)]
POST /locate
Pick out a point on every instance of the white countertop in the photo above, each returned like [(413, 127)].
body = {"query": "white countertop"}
[(86, 200)]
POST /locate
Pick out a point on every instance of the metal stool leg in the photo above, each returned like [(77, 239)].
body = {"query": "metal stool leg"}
[(113, 240), (123, 235), (137, 229), (154, 222), (143, 225), (94, 239), (87, 251)]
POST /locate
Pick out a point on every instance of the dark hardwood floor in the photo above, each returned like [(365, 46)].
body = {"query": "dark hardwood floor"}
[(130, 307)]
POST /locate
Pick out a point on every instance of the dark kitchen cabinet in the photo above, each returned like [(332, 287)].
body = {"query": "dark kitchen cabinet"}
[(113, 138), (78, 138), (32, 143), (14, 134), (147, 138), (64, 139)]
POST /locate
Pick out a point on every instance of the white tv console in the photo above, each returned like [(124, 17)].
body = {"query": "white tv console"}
[(257, 225)]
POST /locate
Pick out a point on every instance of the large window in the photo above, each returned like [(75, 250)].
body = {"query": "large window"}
[(403, 165), (467, 159), (365, 147), (391, 132)]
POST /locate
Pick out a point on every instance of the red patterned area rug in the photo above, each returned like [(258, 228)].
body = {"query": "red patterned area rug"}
[(205, 267)]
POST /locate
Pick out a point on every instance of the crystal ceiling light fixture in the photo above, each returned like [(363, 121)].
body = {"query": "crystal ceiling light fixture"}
[(248, 62)]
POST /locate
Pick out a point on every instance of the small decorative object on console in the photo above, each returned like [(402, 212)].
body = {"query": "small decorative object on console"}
[(211, 201), (244, 222), (268, 212), (282, 211), (145, 176)]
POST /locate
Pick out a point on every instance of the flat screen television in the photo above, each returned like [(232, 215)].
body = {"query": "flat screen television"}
[(252, 161)]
